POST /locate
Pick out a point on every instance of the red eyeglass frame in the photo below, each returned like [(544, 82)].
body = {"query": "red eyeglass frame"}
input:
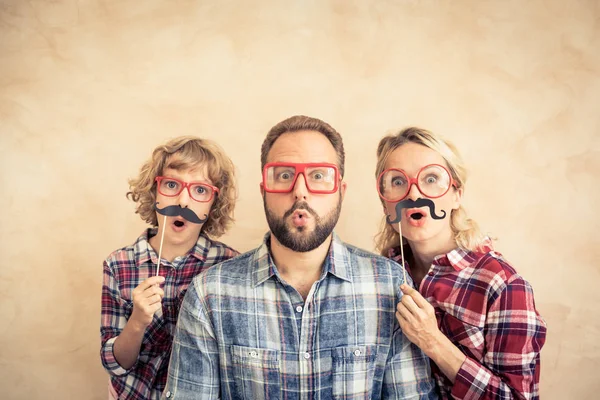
[(186, 185), (414, 181), (300, 169)]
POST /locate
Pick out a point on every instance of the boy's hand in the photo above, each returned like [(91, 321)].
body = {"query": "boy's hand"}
[(147, 299)]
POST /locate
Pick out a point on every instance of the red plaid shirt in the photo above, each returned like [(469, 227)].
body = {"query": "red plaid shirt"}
[(124, 270), (487, 310)]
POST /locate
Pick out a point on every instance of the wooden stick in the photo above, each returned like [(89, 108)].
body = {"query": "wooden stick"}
[(402, 251), (162, 237)]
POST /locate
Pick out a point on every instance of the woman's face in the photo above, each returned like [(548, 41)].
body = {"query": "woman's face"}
[(417, 222)]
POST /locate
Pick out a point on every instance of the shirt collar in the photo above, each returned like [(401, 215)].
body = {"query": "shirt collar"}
[(146, 253), (336, 263)]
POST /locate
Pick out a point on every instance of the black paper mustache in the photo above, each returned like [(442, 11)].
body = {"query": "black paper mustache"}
[(177, 210), (408, 203)]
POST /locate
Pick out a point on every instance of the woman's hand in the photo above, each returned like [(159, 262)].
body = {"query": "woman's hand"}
[(417, 320)]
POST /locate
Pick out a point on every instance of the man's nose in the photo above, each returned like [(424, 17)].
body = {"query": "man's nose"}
[(300, 189)]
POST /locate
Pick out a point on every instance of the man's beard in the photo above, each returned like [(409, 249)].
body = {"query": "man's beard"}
[(294, 238)]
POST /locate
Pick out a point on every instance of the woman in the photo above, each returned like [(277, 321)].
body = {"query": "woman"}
[(472, 314)]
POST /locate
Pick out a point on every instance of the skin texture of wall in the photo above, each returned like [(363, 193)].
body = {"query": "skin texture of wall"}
[(89, 88)]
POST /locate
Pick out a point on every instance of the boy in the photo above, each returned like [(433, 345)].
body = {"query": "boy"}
[(186, 191)]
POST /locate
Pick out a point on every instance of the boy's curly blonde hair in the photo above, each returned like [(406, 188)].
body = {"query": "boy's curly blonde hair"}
[(184, 153)]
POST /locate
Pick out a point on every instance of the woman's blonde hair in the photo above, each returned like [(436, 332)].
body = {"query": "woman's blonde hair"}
[(183, 153), (466, 231)]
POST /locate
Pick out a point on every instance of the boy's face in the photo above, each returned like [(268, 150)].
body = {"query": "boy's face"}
[(180, 231)]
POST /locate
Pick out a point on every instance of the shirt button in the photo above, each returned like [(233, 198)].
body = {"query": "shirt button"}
[(253, 354), (168, 394), (306, 355), (299, 309), (430, 274), (357, 352)]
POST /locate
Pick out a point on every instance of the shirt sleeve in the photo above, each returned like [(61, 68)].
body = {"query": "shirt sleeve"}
[(113, 321), (194, 365), (407, 372), (514, 336)]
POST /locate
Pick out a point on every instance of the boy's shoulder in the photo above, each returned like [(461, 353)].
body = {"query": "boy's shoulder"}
[(130, 255), (221, 250)]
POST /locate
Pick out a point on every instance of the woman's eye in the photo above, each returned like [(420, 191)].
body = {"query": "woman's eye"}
[(397, 181)]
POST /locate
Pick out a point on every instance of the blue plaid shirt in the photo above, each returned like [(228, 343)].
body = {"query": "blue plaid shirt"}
[(244, 333)]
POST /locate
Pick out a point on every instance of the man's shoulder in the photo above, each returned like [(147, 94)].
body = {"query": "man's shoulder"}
[(362, 256), (239, 266)]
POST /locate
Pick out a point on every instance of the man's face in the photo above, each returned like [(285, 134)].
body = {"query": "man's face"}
[(301, 220)]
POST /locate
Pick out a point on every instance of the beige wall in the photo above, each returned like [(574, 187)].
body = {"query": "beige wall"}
[(88, 88)]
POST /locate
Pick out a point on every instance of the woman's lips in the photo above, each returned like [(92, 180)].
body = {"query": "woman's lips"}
[(416, 217)]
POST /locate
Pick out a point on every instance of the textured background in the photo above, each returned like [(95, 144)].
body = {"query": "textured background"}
[(89, 88)]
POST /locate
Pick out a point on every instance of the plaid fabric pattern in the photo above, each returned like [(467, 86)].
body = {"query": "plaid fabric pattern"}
[(488, 311), (124, 270), (244, 333)]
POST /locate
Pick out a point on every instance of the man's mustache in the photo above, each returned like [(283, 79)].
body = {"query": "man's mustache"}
[(177, 210), (408, 203), (301, 205)]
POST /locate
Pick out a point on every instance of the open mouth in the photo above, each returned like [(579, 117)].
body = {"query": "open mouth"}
[(415, 214), (179, 224)]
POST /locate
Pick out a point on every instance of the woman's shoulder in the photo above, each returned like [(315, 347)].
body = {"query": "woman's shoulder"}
[(499, 274)]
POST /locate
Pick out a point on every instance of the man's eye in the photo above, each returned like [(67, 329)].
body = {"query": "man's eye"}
[(318, 176), (285, 176)]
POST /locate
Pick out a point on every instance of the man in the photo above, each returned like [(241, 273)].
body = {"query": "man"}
[(187, 189), (304, 316)]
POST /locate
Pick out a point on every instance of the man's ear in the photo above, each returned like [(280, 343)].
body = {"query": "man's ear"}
[(343, 187)]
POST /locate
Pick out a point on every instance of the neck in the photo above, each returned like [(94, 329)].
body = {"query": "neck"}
[(300, 270), (170, 251), (424, 252)]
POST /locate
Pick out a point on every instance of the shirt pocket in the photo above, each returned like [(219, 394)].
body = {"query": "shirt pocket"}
[(353, 371), (468, 337), (256, 373)]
